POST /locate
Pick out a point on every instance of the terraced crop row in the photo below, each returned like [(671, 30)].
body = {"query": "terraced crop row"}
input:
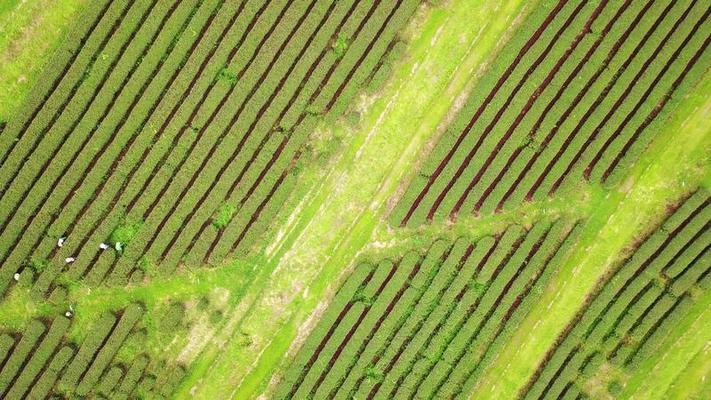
[(174, 128), (40, 361), (633, 311), (426, 324), (576, 95)]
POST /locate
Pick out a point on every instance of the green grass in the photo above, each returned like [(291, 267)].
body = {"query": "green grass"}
[(694, 382), (29, 32), (689, 337), (7, 6), (20, 306)]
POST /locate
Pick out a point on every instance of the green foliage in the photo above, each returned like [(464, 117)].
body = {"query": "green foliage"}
[(124, 233), (147, 265), (65, 280), (143, 391), (340, 45), (130, 316), (203, 303), (415, 312), (245, 339), (374, 374), (172, 317), (227, 76), (477, 287), (134, 345), (223, 215), (615, 388), (360, 296), (313, 110), (353, 118), (216, 317), (38, 264)]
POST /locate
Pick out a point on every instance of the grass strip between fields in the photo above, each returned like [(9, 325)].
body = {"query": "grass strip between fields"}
[(21, 306), (690, 336), (577, 204), (446, 54), (694, 382), (674, 164), (30, 31)]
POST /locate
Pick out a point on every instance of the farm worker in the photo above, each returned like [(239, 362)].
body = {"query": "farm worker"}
[(118, 246), (16, 276), (60, 241), (103, 246), (69, 260), (69, 312)]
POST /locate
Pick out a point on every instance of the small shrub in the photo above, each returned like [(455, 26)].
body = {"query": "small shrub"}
[(340, 45), (148, 267), (361, 297), (223, 215), (227, 76), (477, 287), (245, 340), (353, 118), (172, 317), (373, 373), (203, 304), (38, 264), (313, 110), (124, 233), (216, 317), (614, 388), (65, 280)]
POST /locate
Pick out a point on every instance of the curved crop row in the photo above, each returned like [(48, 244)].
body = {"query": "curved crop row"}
[(634, 309), (41, 362), (106, 18), (424, 324), (214, 121), (49, 214), (576, 94)]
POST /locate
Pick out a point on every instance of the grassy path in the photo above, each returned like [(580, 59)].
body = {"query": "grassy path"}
[(577, 205), (676, 162), (450, 43), (694, 382), (20, 306), (690, 337), (29, 32)]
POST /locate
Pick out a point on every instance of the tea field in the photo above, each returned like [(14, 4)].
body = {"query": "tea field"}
[(355, 199)]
